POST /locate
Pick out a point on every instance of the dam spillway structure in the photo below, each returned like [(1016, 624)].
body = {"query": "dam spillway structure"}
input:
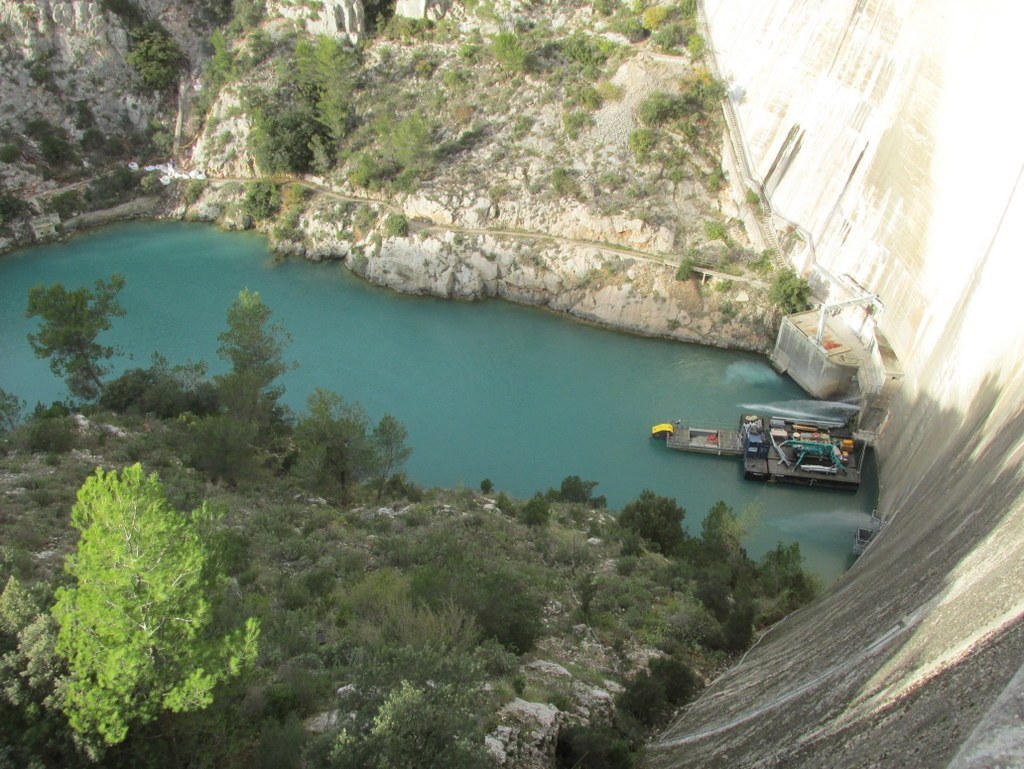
[(891, 148)]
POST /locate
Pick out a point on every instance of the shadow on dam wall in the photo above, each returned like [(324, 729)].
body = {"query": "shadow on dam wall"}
[(906, 654)]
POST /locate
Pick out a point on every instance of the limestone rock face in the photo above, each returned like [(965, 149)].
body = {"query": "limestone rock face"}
[(338, 18), (526, 735), (222, 149), (422, 9), (640, 296), (55, 55)]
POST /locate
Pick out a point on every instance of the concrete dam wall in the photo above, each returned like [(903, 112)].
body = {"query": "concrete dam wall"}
[(891, 134)]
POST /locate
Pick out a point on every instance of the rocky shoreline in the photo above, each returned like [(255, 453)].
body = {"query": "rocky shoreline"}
[(591, 282)]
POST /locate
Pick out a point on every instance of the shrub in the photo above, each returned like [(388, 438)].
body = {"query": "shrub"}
[(653, 17), (11, 207), (52, 434), (659, 520), (695, 45), (576, 121), (585, 50), (155, 57), (366, 171), (194, 190), (508, 51), (790, 291), (593, 747), (486, 486), (111, 188), (685, 271), (575, 489), (641, 142), (9, 152), (715, 230), (10, 411), (262, 199), (660, 108), (396, 226), (536, 512), (564, 183), (669, 37)]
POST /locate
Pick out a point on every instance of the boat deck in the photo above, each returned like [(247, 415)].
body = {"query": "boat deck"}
[(706, 440), (775, 462)]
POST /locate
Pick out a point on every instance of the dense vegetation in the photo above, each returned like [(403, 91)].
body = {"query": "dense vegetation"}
[(336, 613)]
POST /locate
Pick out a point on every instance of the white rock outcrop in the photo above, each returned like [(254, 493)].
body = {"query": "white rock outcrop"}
[(422, 9), (338, 18), (526, 735)]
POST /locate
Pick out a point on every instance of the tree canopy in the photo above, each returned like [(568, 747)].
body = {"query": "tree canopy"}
[(155, 56), (657, 519), (71, 323), (255, 349), (790, 291), (136, 622)]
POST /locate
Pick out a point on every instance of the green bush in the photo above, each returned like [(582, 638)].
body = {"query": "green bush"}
[(52, 434), (194, 190), (790, 291), (641, 142), (685, 271), (508, 51), (563, 183), (660, 108), (112, 188), (592, 747), (536, 512), (11, 407), (695, 45), (9, 153), (659, 520), (262, 199), (155, 57), (715, 230), (574, 122), (396, 226), (11, 208), (66, 204)]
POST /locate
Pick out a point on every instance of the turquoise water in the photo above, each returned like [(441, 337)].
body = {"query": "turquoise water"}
[(486, 390)]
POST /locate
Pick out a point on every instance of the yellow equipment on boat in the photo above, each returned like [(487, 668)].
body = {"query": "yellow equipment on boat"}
[(663, 430)]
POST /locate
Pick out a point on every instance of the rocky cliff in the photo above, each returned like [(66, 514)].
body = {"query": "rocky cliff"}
[(864, 122)]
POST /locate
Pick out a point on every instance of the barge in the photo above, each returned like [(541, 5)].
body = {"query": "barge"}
[(778, 449)]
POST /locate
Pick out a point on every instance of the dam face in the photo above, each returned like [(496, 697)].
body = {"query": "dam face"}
[(891, 134)]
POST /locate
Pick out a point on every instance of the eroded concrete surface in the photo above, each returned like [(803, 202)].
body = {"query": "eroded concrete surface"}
[(908, 176)]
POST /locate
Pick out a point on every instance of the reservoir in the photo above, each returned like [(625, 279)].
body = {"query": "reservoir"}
[(486, 390)]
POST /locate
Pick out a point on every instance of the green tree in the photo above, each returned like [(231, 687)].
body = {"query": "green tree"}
[(31, 723), (262, 199), (659, 520), (721, 532), (791, 292), (335, 451), (254, 346), (11, 407), (135, 624), (155, 57), (71, 322), (389, 441), (11, 208)]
